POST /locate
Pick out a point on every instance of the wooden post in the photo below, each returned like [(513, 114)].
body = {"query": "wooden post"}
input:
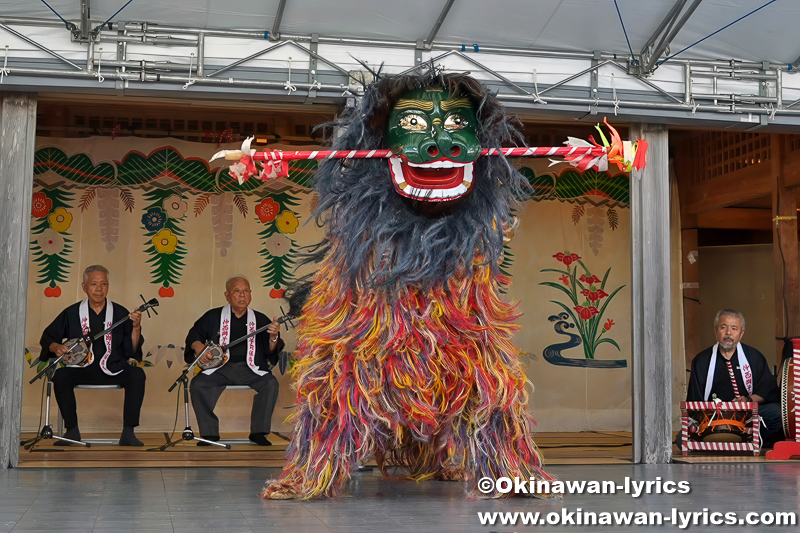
[(17, 140), (691, 293), (650, 306), (686, 169), (784, 250)]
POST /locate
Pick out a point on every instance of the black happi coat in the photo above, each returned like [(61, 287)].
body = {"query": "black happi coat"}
[(67, 325), (207, 328), (764, 383)]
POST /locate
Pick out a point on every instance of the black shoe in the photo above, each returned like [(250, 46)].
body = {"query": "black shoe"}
[(128, 438), (71, 434), (214, 438), (260, 439)]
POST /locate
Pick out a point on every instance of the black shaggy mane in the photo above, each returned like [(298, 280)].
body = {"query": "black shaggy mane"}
[(382, 241)]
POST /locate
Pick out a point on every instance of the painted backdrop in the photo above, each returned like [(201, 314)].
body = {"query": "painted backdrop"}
[(169, 225)]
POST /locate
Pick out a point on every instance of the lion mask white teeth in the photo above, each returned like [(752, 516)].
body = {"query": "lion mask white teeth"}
[(433, 182)]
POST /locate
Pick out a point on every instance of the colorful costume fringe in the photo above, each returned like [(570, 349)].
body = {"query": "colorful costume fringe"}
[(432, 383)]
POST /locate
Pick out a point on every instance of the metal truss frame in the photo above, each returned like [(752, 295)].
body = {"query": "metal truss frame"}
[(737, 94), (665, 33)]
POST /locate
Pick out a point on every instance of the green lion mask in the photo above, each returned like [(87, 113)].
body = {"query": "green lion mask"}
[(433, 136)]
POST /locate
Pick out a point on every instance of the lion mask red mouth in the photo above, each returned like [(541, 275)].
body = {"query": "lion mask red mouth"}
[(437, 181)]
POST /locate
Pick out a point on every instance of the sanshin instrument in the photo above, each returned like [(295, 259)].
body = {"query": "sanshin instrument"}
[(79, 352), (220, 354)]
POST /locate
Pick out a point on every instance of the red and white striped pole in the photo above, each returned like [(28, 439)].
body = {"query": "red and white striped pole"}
[(526, 151), (579, 154)]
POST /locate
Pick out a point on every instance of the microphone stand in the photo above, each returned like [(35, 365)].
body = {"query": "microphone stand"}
[(188, 432), (47, 430)]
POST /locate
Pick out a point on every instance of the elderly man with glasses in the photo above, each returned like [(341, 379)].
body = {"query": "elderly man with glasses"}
[(249, 361)]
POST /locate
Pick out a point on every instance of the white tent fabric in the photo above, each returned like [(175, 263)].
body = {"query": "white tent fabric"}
[(520, 46), (576, 25)]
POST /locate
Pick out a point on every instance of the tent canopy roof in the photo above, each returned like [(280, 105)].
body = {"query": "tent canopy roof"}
[(571, 25)]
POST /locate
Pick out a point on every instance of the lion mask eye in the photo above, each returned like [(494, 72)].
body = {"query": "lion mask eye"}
[(413, 123), (455, 122)]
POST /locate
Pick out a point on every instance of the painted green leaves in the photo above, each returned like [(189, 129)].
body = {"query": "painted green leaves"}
[(278, 248), (161, 222), (51, 245)]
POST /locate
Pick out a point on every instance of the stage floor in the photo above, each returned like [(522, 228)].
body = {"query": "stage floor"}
[(217, 499), (557, 448), (585, 448)]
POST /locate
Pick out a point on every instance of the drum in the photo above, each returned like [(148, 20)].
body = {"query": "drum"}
[(218, 357), (79, 355), (787, 398), (718, 425)]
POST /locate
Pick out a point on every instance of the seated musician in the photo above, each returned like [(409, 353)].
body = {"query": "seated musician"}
[(736, 372), (249, 362), (111, 353)]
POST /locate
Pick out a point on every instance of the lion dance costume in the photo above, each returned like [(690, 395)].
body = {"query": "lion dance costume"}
[(405, 348)]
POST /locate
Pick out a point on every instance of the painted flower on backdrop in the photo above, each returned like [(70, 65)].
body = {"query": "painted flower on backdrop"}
[(174, 206), (567, 258), (60, 220), (51, 242), (41, 205), (154, 219), (267, 210), (586, 312), (594, 294), (165, 242), (287, 222), (589, 279), (585, 304), (278, 245)]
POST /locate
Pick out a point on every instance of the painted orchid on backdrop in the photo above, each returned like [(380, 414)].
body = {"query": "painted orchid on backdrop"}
[(582, 310)]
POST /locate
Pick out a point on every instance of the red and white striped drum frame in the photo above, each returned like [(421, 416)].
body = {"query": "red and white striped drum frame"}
[(794, 393), (694, 445), (790, 449)]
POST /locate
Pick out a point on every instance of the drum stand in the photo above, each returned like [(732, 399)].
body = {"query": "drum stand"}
[(188, 433), (789, 449), (47, 429)]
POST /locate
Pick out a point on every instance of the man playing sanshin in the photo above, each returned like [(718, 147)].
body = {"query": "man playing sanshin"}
[(110, 353), (249, 362)]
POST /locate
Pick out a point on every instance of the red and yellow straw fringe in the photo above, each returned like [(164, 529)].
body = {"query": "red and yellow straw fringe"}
[(429, 380)]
